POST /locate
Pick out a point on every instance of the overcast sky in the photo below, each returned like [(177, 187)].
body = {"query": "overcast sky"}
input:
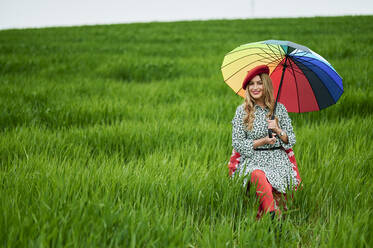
[(42, 13)]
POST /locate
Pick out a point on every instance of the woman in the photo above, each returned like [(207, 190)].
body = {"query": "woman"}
[(263, 159)]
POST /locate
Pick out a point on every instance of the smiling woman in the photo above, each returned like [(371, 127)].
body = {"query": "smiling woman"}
[(263, 159)]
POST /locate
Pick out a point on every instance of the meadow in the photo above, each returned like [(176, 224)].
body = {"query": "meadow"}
[(120, 135)]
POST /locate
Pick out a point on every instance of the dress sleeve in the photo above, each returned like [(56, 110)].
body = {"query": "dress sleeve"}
[(240, 143), (285, 124)]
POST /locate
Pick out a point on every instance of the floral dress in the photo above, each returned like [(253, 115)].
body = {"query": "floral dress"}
[(275, 163)]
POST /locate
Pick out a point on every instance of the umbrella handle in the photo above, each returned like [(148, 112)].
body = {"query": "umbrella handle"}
[(270, 130), (270, 133)]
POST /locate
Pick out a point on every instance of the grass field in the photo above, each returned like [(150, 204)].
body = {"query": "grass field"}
[(119, 136)]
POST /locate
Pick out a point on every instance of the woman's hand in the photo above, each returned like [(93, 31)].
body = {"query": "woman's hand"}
[(270, 141), (265, 141), (272, 124)]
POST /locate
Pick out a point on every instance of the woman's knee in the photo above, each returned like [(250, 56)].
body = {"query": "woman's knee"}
[(257, 175)]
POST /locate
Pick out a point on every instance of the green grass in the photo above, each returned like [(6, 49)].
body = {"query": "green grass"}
[(119, 136)]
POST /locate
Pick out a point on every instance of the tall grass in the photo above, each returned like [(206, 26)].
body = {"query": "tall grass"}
[(119, 136)]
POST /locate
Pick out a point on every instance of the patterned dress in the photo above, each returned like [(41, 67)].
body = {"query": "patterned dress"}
[(275, 163)]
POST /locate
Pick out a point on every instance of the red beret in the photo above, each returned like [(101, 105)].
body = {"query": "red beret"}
[(253, 72)]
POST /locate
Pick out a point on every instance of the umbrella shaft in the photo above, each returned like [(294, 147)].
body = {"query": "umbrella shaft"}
[(279, 87), (278, 94)]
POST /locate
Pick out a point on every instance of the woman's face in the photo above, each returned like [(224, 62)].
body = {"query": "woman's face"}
[(256, 88)]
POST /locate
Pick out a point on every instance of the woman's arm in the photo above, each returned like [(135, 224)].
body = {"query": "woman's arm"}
[(240, 143), (287, 140), (264, 141)]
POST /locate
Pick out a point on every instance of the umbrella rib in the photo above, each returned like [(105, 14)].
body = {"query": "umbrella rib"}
[(310, 85), (278, 58), (298, 59), (302, 54), (307, 62), (225, 80), (331, 79), (296, 85), (320, 58), (252, 54), (303, 59), (274, 59), (274, 56), (314, 73), (280, 50), (247, 48), (296, 70)]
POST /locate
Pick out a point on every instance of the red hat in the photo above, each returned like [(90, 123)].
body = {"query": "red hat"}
[(253, 72)]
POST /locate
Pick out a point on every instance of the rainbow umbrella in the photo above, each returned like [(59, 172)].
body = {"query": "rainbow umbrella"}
[(302, 80)]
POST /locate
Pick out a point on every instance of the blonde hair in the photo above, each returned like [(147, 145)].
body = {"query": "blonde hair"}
[(249, 102)]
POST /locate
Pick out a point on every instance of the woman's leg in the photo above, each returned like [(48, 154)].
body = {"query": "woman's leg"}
[(280, 199), (263, 191)]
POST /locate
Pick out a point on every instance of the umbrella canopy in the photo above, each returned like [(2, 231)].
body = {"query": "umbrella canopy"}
[(302, 80)]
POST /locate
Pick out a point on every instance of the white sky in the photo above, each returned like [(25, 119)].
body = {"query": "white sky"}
[(42, 13)]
